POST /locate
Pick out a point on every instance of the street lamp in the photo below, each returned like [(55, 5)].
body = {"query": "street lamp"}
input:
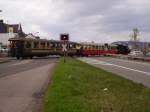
[(35, 33), (145, 47)]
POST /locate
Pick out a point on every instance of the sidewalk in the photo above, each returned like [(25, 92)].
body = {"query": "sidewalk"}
[(24, 91), (5, 59)]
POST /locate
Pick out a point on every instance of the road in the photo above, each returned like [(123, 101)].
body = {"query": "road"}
[(23, 83), (137, 71)]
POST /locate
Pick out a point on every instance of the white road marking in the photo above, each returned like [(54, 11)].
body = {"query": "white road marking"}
[(147, 73), (132, 61), (93, 61), (21, 62)]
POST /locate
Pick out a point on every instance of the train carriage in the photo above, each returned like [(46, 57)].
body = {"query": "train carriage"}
[(97, 49), (30, 47)]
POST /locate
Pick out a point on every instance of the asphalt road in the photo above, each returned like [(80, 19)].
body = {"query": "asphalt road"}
[(23, 83), (137, 71)]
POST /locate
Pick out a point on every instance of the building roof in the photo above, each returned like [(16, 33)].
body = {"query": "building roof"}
[(3, 27), (7, 28), (16, 27)]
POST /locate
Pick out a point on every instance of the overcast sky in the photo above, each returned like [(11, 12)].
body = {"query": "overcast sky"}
[(84, 20)]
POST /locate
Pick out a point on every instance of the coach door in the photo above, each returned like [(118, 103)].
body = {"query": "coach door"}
[(17, 48)]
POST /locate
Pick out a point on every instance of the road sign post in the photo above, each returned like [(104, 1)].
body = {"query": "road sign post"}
[(64, 50), (64, 39)]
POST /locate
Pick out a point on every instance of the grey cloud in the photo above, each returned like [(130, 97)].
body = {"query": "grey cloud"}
[(84, 19)]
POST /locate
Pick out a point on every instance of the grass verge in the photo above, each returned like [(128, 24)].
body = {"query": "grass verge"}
[(79, 87)]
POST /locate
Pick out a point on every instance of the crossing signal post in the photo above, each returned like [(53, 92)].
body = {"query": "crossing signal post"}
[(64, 40)]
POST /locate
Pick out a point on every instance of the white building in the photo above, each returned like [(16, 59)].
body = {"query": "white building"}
[(4, 37), (9, 31)]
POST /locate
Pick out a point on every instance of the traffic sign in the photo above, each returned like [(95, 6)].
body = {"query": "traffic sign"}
[(64, 37), (64, 47)]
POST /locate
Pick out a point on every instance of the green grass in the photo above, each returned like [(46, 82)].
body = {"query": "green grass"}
[(79, 87)]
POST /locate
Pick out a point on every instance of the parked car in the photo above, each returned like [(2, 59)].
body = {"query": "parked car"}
[(148, 54), (136, 53), (3, 50)]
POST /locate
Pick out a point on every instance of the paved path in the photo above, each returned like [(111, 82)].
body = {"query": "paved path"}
[(22, 84), (136, 71), (5, 59)]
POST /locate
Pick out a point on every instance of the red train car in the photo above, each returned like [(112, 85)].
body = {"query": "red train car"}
[(97, 49)]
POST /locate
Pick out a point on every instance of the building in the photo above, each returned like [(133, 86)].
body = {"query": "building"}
[(9, 31)]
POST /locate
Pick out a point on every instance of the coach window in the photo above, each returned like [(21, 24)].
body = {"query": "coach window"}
[(51, 45), (97, 47), (28, 44), (55, 45), (42, 45), (100, 48), (93, 47), (90, 47), (103, 47), (70, 46), (59, 45), (84, 47), (73, 46), (87, 47), (36, 44), (113, 48), (48, 45), (106, 48)]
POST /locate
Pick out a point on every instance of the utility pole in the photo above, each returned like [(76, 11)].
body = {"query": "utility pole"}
[(134, 38), (145, 47)]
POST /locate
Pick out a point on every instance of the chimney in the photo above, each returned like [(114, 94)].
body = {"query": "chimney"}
[(1, 21)]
